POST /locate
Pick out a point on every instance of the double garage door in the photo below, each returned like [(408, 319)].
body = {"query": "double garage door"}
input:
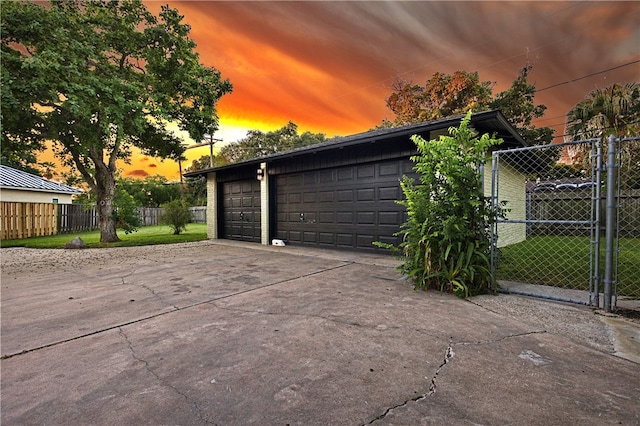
[(345, 207)]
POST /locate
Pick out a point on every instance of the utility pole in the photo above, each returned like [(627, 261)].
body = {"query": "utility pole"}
[(210, 142)]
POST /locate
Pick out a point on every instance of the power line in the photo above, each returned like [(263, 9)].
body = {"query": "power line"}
[(587, 76)]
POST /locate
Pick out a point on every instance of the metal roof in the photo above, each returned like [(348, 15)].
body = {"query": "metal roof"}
[(17, 179), (484, 122)]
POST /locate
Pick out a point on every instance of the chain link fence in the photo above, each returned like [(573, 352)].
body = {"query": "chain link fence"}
[(552, 240)]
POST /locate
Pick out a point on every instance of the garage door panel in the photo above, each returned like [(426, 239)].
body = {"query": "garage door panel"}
[(326, 176), (391, 169), (366, 194), (345, 174), (344, 217), (389, 193), (365, 241), (389, 218), (344, 240), (310, 197), (366, 218), (327, 238), (344, 195), (326, 217), (326, 196), (366, 172)]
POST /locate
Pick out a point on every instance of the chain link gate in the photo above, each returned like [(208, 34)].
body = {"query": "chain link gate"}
[(574, 238)]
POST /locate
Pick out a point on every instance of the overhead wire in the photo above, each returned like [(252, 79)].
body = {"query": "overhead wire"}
[(588, 75)]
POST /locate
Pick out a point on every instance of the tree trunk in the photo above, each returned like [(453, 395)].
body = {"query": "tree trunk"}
[(105, 190)]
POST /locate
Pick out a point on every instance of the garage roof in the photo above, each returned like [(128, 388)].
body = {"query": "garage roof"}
[(17, 179), (491, 122)]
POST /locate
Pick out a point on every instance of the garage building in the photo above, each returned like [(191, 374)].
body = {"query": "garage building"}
[(338, 194)]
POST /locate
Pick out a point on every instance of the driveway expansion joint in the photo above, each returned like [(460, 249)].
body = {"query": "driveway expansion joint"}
[(501, 339), (162, 382), (308, 315)]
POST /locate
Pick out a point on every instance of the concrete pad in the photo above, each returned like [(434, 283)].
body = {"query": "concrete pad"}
[(272, 336)]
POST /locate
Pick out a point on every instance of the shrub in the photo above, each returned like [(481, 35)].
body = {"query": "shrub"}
[(176, 215), (126, 212), (446, 239)]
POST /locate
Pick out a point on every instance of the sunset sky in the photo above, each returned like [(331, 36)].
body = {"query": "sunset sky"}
[(328, 66)]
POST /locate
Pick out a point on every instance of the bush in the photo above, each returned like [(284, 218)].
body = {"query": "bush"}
[(176, 215), (126, 212), (446, 240)]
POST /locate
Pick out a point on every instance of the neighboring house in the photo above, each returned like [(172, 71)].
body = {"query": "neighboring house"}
[(19, 186), (338, 194)]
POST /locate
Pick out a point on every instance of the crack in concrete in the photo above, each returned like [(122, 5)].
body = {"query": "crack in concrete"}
[(158, 297), (148, 368), (448, 355)]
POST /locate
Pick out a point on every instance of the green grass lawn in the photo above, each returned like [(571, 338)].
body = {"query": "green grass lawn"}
[(146, 235), (564, 262)]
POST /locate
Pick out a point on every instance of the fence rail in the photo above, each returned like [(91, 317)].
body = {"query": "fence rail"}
[(24, 220), (569, 213)]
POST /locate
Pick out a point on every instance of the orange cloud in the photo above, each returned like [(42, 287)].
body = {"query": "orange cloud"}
[(137, 173)]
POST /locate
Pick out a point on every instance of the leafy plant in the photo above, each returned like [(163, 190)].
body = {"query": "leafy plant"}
[(125, 212), (176, 215), (446, 240)]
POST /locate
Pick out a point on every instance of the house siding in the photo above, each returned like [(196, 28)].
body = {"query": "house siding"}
[(511, 188), (23, 196)]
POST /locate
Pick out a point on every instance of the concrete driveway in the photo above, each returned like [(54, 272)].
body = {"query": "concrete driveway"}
[(232, 334)]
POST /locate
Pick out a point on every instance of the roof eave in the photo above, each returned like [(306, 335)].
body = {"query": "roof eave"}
[(373, 136)]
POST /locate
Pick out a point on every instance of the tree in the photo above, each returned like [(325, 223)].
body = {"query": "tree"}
[(518, 106), (613, 110), (196, 191), (258, 144), (125, 211), (204, 162), (97, 79), (443, 95), (152, 191)]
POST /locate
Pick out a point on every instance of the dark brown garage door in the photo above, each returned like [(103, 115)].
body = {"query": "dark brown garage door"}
[(241, 210), (347, 207)]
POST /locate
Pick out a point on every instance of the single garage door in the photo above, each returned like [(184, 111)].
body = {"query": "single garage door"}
[(241, 210), (347, 207)]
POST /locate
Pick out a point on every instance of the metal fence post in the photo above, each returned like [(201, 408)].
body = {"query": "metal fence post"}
[(596, 195), (494, 226), (610, 223)]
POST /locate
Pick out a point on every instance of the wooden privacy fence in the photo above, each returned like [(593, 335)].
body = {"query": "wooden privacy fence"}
[(77, 218), (24, 220), (198, 214)]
